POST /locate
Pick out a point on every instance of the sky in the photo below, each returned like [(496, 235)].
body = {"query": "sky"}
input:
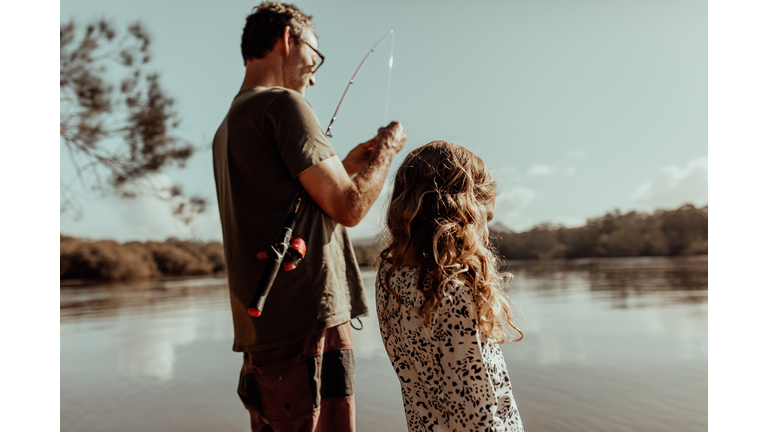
[(204, 84), (578, 108)]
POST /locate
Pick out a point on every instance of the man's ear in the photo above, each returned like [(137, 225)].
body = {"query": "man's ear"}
[(285, 41)]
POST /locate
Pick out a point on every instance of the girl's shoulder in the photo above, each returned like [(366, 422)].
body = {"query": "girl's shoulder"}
[(406, 278), (386, 265), (456, 293), (452, 289)]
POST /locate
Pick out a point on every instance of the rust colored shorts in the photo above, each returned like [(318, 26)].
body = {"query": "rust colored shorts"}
[(304, 386)]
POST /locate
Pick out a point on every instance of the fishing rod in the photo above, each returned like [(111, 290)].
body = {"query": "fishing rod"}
[(292, 248), (352, 80)]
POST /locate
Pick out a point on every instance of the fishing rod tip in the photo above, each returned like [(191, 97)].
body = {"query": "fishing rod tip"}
[(391, 31)]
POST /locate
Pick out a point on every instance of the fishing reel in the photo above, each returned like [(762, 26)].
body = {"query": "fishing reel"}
[(293, 248), (291, 257)]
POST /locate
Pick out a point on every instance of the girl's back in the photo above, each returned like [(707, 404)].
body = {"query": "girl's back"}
[(451, 377), (439, 295)]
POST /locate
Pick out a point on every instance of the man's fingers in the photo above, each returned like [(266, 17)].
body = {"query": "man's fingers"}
[(393, 135)]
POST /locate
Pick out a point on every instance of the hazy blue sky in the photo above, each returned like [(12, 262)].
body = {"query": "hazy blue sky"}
[(580, 107)]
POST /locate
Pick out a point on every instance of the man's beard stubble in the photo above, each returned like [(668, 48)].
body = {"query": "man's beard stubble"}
[(294, 78)]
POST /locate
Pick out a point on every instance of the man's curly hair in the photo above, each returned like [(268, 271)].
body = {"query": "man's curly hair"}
[(264, 26)]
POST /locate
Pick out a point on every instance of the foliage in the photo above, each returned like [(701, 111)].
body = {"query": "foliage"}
[(117, 138), (109, 260), (663, 233)]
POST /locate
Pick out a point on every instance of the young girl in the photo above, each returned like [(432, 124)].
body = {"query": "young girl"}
[(439, 295)]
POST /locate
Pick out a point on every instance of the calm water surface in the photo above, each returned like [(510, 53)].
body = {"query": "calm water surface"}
[(610, 345)]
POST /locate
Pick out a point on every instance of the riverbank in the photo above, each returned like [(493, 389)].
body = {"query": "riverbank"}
[(102, 261), (66, 283), (663, 233), (679, 232)]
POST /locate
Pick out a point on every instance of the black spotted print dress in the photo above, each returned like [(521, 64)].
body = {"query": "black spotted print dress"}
[(451, 377)]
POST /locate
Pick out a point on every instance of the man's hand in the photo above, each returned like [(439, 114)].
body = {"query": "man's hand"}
[(359, 156), (347, 199), (391, 137)]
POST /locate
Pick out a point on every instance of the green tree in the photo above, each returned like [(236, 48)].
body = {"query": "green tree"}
[(686, 229), (116, 121)]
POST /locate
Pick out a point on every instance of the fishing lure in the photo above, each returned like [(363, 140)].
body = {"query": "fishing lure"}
[(351, 81)]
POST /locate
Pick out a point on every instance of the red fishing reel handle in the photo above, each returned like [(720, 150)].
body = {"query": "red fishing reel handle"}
[(274, 258), (296, 250), (298, 244)]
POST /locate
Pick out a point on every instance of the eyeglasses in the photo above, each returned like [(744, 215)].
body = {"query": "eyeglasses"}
[(322, 57)]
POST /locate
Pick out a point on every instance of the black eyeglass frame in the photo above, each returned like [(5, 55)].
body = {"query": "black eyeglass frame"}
[(322, 57)]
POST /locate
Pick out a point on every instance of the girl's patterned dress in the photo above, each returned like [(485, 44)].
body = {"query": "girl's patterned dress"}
[(451, 377)]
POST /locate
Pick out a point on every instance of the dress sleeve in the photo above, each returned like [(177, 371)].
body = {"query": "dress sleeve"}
[(300, 139), (468, 392)]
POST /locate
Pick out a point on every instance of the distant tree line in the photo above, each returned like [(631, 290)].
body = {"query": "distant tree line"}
[(110, 260), (663, 233)]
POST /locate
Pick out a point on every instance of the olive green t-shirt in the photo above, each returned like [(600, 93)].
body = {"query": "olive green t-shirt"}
[(269, 137)]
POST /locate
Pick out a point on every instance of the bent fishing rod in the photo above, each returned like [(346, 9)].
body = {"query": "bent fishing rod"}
[(352, 80), (294, 248)]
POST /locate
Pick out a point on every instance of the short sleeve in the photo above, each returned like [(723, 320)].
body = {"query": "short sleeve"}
[(468, 390), (298, 135)]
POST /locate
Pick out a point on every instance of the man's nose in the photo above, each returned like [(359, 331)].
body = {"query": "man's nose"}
[(312, 80)]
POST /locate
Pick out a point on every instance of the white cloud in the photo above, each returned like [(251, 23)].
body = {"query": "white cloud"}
[(509, 206), (537, 170), (142, 218), (514, 199), (674, 186), (146, 217)]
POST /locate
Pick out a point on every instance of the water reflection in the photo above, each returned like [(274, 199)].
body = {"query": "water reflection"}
[(148, 346), (626, 283), (610, 344), (107, 300), (149, 321)]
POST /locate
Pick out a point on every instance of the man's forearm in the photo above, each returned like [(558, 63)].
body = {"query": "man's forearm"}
[(369, 182), (347, 197)]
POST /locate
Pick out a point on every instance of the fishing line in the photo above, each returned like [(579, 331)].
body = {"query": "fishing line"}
[(389, 77), (352, 80)]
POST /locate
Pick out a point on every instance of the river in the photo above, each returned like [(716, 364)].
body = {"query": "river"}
[(615, 344)]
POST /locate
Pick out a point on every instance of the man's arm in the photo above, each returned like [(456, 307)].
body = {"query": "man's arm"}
[(345, 199), (359, 156)]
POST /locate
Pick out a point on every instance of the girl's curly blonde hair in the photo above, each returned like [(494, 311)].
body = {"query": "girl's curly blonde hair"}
[(436, 217)]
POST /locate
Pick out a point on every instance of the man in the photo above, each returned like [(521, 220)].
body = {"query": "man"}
[(298, 367)]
